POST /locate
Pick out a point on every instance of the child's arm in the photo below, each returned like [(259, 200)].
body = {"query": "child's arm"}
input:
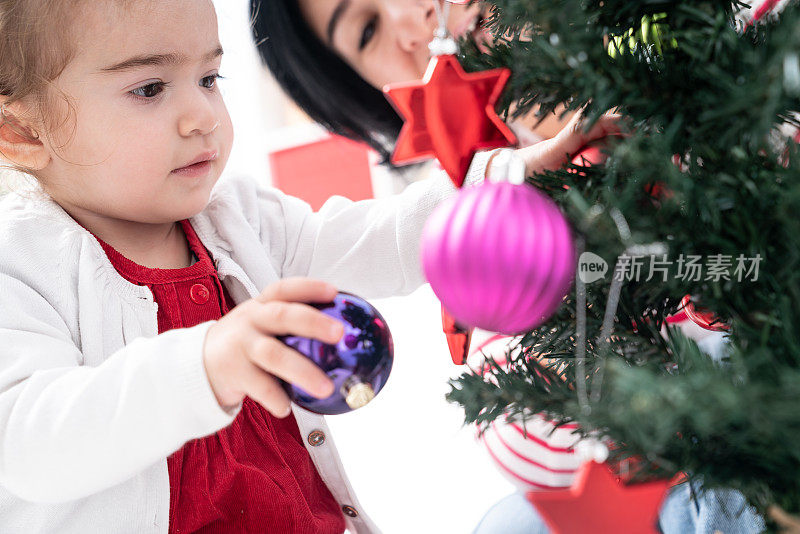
[(67, 430)]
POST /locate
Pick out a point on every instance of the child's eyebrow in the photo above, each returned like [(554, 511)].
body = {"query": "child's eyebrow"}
[(158, 60)]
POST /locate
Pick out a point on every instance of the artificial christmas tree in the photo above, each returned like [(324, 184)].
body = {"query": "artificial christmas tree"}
[(704, 98)]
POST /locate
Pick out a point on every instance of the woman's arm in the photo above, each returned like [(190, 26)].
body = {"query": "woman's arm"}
[(372, 247)]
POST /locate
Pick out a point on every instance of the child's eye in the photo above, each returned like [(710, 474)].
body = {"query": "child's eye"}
[(209, 82), (151, 90)]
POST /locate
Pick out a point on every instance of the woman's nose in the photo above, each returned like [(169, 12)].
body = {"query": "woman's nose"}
[(198, 117), (414, 22)]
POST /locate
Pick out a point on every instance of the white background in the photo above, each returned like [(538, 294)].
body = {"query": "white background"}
[(414, 465)]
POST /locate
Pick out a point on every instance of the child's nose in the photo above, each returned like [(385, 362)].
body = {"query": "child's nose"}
[(198, 118)]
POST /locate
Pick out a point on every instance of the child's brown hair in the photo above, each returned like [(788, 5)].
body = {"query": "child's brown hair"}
[(35, 47)]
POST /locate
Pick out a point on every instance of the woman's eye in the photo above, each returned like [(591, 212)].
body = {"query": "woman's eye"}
[(209, 82), (368, 33), (151, 90)]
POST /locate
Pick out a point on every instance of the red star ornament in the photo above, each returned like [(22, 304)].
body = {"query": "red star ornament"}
[(597, 503), (449, 114)]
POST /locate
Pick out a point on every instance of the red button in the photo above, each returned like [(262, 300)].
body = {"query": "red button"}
[(199, 294)]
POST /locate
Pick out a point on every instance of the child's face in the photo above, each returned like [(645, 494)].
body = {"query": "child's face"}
[(134, 124)]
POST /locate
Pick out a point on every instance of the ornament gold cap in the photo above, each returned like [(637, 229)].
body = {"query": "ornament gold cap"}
[(359, 395)]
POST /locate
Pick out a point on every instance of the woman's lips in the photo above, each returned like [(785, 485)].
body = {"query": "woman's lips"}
[(475, 29), (467, 27)]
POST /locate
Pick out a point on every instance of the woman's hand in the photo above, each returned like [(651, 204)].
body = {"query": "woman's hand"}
[(552, 154), (242, 356)]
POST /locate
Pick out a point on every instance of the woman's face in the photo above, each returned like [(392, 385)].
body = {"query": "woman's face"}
[(385, 41)]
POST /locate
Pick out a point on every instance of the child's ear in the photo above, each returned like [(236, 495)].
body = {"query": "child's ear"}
[(19, 142)]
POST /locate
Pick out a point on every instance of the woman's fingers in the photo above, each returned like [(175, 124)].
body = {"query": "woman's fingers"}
[(609, 124), (286, 363), (554, 153), (574, 136)]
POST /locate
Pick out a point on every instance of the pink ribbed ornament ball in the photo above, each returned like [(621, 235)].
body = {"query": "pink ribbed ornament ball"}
[(499, 256)]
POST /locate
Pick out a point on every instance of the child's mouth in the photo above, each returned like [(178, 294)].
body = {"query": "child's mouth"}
[(194, 170), (198, 168)]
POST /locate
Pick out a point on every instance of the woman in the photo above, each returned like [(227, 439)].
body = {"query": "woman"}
[(332, 57)]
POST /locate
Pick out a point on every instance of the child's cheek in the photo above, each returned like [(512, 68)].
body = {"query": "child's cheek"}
[(226, 136), (83, 139)]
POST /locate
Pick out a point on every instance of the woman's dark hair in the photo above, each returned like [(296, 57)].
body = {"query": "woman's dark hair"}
[(318, 80)]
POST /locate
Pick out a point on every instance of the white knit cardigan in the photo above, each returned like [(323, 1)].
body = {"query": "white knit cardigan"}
[(92, 400)]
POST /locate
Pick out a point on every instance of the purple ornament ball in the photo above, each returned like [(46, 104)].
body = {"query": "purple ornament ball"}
[(359, 364), (499, 256)]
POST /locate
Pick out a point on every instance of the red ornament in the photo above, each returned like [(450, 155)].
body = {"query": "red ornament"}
[(458, 338), (449, 115), (658, 190), (598, 503), (589, 155), (534, 454), (763, 9), (703, 318)]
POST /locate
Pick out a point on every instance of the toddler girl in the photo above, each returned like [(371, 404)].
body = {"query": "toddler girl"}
[(139, 308)]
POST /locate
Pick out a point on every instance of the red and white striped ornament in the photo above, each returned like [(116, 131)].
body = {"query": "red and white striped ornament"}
[(534, 455)]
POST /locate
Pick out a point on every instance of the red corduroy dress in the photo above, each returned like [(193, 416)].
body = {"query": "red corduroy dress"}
[(254, 475)]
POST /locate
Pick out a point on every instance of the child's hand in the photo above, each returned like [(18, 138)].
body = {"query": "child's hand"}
[(554, 153), (242, 356)]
